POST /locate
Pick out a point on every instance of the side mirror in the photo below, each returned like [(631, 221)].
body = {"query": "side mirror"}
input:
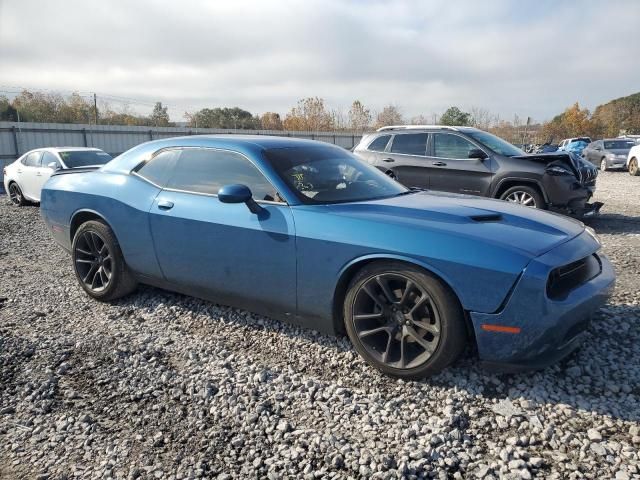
[(53, 166), (477, 153), (236, 193)]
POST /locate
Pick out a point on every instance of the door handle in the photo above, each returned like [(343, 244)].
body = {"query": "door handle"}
[(439, 164), (165, 205), (388, 160), (19, 171), (38, 174)]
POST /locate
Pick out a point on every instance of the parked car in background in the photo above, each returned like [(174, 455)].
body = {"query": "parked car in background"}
[(633, 161), (544, 148), (635, 138), (24, 178), (471, 161), (609, 153), (567, 141), (576, 147), (307, 233)]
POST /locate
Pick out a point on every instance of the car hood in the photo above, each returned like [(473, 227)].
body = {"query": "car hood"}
[(521, 229)]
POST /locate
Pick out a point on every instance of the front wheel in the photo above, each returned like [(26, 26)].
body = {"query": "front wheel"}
[(633, 167), (524, 195), (403, 321), (603, 165), (98, 262)]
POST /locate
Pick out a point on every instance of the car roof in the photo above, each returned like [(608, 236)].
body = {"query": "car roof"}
[(404, 128), (65, 149), (249, 145)]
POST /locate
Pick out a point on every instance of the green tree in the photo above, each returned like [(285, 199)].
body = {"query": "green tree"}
[(159, 116), (7, 111), (453, 116), (231, 118)]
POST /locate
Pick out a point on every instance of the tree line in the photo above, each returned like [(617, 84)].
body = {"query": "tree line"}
[(312, 114)]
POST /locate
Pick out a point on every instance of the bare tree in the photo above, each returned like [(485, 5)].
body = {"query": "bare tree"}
[(420, 120), (359, 116), (390, 115), (271, 121), (481, 118), (309, 114)]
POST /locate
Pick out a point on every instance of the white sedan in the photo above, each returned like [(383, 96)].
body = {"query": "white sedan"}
[(633, 161), (24, 178)]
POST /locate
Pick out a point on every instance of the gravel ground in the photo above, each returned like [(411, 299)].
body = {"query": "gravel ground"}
[(160, 385)]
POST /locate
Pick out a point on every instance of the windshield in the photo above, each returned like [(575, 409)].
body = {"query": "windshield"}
[(84, 158), (619, 144), (321, 175), (495, 143)]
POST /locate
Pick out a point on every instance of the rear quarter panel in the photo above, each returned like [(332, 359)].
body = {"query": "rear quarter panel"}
[(123, 201)]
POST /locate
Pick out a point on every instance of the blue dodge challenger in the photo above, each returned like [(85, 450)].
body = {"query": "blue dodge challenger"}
[(305, 232)]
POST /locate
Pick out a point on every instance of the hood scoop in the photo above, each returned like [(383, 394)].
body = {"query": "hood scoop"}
[(491, 217)]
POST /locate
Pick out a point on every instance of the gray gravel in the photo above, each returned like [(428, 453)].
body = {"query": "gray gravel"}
[(160, 385)]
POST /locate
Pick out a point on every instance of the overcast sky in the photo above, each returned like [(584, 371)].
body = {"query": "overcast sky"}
[(511, 57)]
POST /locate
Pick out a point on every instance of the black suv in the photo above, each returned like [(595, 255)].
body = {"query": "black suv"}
[(471, 161)]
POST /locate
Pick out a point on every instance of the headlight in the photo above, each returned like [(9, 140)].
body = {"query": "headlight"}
[(593, 234)]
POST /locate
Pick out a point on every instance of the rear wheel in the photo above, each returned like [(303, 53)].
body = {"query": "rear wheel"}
[(15, 195), (633, 167), (98, 262), (403, 321), (603, 165)]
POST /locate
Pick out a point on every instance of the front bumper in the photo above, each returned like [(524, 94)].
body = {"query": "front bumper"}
[(549, 329)]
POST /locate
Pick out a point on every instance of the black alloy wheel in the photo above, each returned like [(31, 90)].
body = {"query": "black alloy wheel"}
[(396, 320), (403, 320), (99, 264), (94, 262), (15, 195)]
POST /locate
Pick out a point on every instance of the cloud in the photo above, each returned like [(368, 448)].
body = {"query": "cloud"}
[(525, 57)]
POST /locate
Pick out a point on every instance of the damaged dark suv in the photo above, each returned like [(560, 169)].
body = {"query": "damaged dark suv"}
[(471, 161)]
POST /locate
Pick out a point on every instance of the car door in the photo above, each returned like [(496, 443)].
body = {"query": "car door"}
[(224, 250), (373, 153), (598, 153), (28, 175), (405, 157), (43, 172), (453, 170)]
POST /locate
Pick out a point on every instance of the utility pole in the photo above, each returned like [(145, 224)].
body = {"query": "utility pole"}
[(95, 108)]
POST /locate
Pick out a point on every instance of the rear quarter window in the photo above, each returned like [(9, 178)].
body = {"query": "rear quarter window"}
[(379, 144), (159, 168)]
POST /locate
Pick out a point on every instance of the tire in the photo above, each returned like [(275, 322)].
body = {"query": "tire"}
[(427, 313), (522, 193), (95, 245), (633, 167), (603, 165), (15, 195)]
